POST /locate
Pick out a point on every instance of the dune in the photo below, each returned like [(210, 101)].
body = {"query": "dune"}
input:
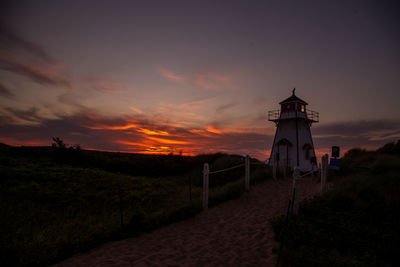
[(236, 232)]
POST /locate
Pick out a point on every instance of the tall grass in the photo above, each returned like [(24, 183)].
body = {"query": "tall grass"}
[(355, 224), (54, 204)]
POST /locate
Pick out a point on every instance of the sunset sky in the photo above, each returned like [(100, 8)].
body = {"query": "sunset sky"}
[(197, 76)]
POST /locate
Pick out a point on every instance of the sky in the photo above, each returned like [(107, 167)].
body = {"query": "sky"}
[(197, 77)]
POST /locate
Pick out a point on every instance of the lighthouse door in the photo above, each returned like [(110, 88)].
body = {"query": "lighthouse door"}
[(283, 150)]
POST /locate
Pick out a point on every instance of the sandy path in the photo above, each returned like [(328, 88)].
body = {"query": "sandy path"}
[(236, 232)]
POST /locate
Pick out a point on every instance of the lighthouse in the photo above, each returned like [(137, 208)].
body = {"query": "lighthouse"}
[(293, 145)]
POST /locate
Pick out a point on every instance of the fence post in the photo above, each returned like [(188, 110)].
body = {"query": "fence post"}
[(247, 172), (324, 172), (190, 189), (206, 172), (295, 199), (121, 213)]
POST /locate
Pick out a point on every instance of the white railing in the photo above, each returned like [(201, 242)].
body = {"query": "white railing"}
[(275, 115)]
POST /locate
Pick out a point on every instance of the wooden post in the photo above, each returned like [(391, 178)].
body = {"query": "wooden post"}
[(295, 199), (247, 172), (190, 189), (320, 170), (206, 172), (121, 213), (274, 170), (324, 172)]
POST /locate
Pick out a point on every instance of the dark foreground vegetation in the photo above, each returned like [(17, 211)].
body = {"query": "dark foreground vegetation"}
[(357, 223), (57, 201)]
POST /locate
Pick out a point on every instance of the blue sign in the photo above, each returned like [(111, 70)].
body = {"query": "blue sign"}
[(334, 163)]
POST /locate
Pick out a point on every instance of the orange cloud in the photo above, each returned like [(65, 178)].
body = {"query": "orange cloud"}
[(200, 132), (158, 150), (150, 132), (137, 110), (212, 129), (123, 127), (168, 141), (132, 143), (171, 76)]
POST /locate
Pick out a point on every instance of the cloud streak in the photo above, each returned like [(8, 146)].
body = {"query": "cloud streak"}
[(6, 92), (202, 80), (30, 60), (171, 76), (107, 85), (11, 40), (366, 134), (213, 81), (36, 73)]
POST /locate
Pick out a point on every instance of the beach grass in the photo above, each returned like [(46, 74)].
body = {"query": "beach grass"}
[(356, 223), (56, 203)]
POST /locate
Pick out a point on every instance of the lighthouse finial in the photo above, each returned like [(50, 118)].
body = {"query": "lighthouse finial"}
[(293, 91)]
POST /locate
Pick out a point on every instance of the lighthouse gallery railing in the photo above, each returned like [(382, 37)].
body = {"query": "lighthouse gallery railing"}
[(274, 115)]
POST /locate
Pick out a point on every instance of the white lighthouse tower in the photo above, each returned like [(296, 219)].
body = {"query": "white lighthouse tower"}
[(293, 145)]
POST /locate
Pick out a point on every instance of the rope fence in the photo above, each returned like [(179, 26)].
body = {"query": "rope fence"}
[(227, 169), (207, 172)]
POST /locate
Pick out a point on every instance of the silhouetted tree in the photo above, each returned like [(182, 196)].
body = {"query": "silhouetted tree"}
[(65, 153), (58, 143)]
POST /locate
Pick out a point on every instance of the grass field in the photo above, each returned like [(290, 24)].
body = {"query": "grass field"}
[(357, 223), (59, 201)]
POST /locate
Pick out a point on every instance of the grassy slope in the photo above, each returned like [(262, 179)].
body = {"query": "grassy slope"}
[(54, 203), (355, 224)]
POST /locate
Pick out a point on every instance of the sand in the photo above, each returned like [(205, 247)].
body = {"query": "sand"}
[(236, 232)]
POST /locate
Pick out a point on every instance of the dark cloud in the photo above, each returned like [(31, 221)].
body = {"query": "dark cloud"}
[(366, 134), (11, 40), (16, 115), (5, 92), (357, 128), (28, 59), (35, 73)]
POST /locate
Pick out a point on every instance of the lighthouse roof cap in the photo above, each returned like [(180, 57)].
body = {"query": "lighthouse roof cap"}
[(293, 98)]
